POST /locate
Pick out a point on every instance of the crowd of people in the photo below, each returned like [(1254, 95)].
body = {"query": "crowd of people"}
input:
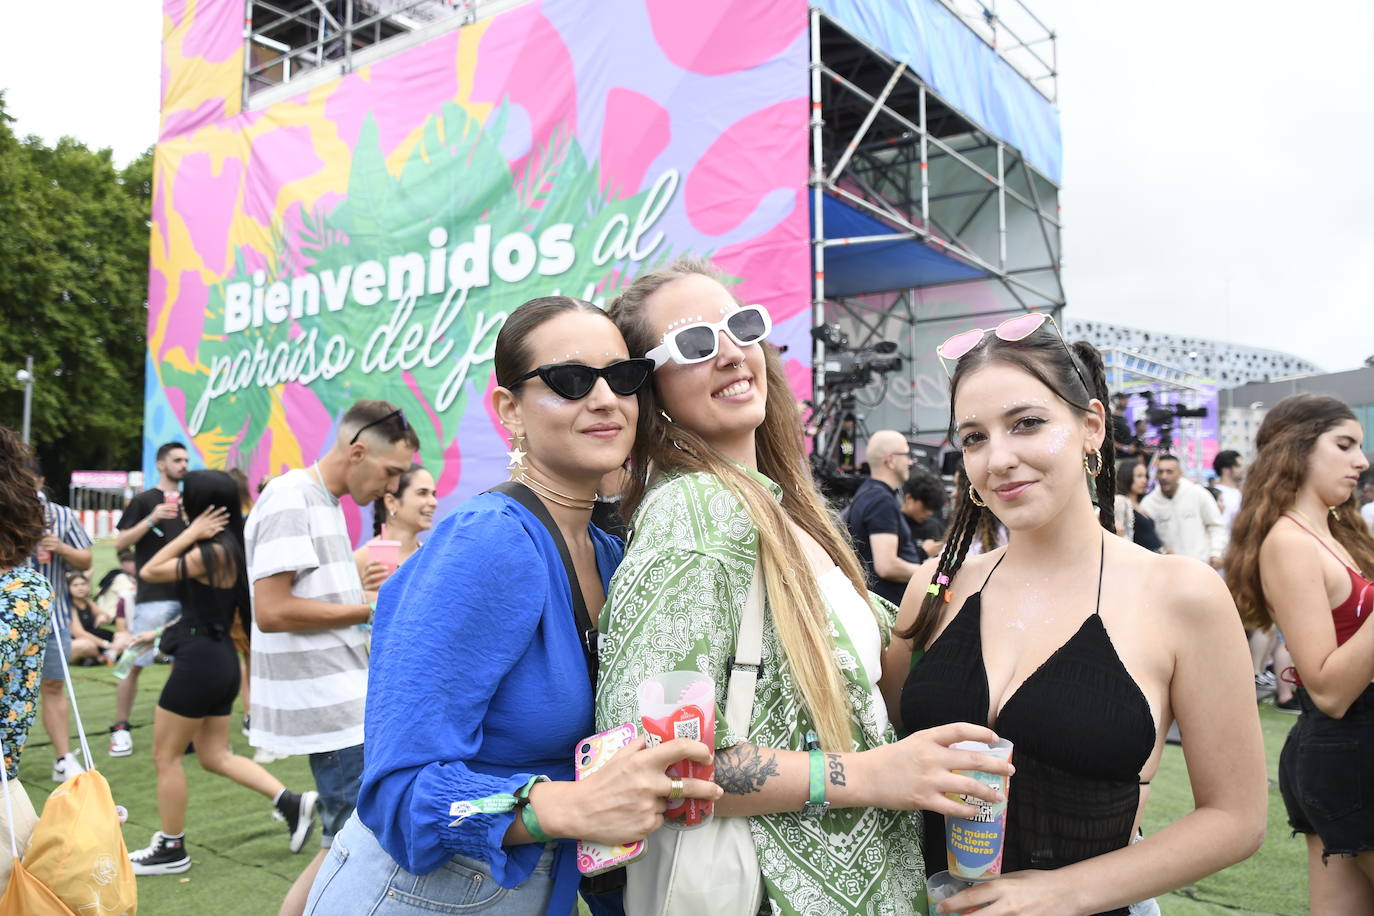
[(1075, 594)]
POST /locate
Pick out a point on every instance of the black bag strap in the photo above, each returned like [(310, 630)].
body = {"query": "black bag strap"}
[(588, 634)]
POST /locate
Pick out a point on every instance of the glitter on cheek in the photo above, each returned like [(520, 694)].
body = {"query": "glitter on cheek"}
[(1056, 440), (551, 401)]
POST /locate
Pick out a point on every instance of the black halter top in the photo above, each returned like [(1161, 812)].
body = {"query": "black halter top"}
[(1081, 729)]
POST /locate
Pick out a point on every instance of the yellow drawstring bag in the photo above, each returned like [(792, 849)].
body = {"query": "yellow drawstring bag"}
[(27, 896), (24, 895), (78, 849)]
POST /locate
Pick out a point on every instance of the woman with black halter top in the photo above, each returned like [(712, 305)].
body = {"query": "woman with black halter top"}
[(1301, 557), (1077, 646)]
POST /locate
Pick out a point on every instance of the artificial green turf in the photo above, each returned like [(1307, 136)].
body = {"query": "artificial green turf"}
[(242, 865), (1273, 880)]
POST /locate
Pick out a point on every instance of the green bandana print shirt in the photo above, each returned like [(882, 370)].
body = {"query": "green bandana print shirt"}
[(675, 604)]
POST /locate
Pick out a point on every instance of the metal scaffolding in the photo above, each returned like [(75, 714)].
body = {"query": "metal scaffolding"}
[(885, 144), (301, 43)]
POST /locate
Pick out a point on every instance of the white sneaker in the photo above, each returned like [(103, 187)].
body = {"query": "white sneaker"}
[(263, 755), (65, 767), (121, 742)]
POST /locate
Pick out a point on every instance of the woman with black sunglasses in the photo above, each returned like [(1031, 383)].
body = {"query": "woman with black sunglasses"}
[(481, 674)]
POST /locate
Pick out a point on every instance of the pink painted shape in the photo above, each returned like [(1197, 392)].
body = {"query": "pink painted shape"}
[(760, 152), (724, 36), (278, 157), (160, 178), (204, 202), (410, 382), (216, 33), (626, 157), (773, 263), (188, 119), (177, 398), (413, 84), (798, 378), (157, 295), (453, 470), (523, 59), (187, 320)]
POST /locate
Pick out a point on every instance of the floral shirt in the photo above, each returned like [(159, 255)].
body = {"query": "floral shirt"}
[(24, 600), (675, 604)]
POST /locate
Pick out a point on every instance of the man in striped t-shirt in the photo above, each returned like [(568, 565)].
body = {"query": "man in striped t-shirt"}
[(66, 547), (309, 672)]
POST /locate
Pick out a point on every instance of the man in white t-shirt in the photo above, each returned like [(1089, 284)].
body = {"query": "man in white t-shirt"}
[(1185, 514), (309, 652), (1230, 471)]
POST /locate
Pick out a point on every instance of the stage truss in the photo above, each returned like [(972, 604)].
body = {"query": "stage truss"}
[(885, 145)]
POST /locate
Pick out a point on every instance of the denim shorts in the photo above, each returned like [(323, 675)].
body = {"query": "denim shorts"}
[(59, 647), (149, 615), (338, 776), (358, 877), (1326, 775)]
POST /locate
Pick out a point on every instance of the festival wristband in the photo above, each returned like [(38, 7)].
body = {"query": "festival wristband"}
[(499, 803), (531, 822), (816, 805)]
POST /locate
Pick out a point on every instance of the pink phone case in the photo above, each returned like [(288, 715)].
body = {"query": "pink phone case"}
[(589, 756)]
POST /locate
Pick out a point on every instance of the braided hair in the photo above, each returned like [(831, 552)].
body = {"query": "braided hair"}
[(1043, 354)]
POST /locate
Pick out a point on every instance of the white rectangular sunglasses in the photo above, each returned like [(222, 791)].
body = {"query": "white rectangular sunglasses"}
[(700, 341)]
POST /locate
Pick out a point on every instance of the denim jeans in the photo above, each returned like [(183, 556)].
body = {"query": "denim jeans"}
[(358, 877), (338, 775)]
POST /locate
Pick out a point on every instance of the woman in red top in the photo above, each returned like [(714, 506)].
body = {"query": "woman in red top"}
[(1300, 556)]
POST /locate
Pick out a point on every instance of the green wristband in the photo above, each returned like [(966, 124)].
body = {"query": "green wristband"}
[(816, 805), (531, 822)]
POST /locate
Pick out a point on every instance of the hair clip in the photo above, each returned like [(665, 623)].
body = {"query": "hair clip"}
[(932, 589), (942, 579)]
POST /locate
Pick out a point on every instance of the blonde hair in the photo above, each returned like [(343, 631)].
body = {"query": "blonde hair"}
[(794, 598)]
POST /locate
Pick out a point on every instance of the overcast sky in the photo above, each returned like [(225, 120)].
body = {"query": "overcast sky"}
[(1215, 169)]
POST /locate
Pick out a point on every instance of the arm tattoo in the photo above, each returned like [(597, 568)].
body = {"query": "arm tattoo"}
[(836, 766), (742, 769)]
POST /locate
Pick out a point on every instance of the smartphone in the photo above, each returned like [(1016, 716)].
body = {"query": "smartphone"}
[(589, 756)]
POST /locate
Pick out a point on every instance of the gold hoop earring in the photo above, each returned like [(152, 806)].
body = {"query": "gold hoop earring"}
[(1335, 516), (1088, 467), (516, 456), (973, 498)]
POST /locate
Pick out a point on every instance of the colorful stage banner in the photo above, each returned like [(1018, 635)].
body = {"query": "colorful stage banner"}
[(368, 237)]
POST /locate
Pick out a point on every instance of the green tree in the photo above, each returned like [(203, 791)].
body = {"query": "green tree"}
[(73, 295)]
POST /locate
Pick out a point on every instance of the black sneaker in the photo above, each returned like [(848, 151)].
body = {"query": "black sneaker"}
[(162, 857), (1290, 706), (299, 813)]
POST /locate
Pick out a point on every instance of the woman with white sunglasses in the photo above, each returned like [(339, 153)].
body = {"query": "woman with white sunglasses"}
[(719, 479)]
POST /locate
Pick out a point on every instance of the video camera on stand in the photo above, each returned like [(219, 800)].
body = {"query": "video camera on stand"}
[(1162, 418), (835, 424)]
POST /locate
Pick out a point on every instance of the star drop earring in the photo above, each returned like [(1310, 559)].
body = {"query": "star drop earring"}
[(516, 456)]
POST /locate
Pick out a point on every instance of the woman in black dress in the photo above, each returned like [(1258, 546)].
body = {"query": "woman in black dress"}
[(206, 560), (1079, 648), (1132, 522)]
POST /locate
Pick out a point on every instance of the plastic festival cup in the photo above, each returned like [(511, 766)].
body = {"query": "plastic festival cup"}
[(388, 553), (974, 845), (682, 704), (171, 497), (941, 886)]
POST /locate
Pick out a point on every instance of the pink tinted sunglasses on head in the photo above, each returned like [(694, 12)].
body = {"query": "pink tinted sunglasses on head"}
[(1018, 327)]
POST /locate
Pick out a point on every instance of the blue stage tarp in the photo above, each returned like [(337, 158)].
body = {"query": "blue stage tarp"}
[(962, 70), (873, 267)]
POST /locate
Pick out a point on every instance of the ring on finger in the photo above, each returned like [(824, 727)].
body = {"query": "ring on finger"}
[(675, 791)]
